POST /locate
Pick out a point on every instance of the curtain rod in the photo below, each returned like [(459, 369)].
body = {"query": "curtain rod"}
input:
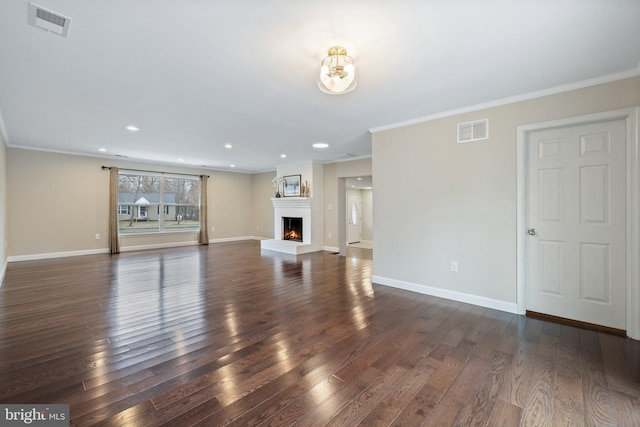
[(160, 172)]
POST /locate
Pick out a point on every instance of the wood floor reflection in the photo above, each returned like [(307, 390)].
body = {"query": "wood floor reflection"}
[(225, 335)]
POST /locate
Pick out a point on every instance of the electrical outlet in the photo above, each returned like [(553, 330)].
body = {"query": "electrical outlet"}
[(213, 229), (454, 266), (97, 237), (329, 207), (329, 235)]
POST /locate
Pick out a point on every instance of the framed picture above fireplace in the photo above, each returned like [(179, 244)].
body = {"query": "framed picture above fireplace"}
[(292, 186)]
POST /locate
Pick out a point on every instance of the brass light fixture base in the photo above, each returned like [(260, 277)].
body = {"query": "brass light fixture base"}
[(337, 50)]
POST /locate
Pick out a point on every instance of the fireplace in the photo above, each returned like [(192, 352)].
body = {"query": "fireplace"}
[(308, 228), (292, 229)]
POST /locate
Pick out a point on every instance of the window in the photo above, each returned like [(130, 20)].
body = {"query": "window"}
[(143, 196)]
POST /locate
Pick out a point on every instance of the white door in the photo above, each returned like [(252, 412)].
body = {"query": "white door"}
[(354, 219), (576, 211)]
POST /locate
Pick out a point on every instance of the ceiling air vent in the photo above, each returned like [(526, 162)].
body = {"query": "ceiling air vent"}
[(473, 131), (48, 20)]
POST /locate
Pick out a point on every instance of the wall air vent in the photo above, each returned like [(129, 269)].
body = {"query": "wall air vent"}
[(473, 131), (48, 20)]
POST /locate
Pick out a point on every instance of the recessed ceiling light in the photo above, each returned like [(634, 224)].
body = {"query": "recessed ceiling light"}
[(132, 128), (320, 145), (181, 160), (359, 179), (283, 155), (232, 166), (228, 145), (102, 149)]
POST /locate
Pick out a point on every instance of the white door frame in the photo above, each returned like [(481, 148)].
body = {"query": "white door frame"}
[(631, 117)]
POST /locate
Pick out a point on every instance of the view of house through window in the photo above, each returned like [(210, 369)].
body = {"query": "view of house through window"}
[(149, 203)]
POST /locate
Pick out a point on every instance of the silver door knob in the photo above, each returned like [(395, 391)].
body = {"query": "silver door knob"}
[(532, 231)]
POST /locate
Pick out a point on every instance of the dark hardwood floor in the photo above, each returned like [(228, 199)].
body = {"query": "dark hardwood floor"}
[(222, 335)]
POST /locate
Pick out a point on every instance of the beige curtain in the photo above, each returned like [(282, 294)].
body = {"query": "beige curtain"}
[(114, 242), (204, 235)]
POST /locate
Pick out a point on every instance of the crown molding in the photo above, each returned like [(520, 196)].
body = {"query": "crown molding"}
[(513, 99)]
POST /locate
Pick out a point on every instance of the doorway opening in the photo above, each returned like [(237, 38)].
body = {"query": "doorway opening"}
[(359, 212)]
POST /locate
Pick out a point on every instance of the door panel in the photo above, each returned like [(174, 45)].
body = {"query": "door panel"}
[(594, 273), (594, 194), (576, 202), (550, 190), (551, 262)]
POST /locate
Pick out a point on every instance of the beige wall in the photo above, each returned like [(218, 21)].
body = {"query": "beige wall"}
[(436, 201), (367, 214), (262, 208), (3, 208), (58, 203), (230, 205), (332, 174)]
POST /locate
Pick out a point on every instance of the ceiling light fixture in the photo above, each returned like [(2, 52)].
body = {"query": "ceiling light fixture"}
[(283, 156), (132, 128), (103, 150), (320, 145), (337, 72), (228, 146)]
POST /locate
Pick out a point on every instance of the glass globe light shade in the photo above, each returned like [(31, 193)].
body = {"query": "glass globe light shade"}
[(337, 72)]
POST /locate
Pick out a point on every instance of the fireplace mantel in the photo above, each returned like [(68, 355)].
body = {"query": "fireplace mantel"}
[(291, 202)]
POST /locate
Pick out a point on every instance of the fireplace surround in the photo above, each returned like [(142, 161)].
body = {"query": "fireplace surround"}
[(310, 239)]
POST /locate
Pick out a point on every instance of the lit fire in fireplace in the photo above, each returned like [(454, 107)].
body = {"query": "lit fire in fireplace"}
[(292, 229), (292, 235)]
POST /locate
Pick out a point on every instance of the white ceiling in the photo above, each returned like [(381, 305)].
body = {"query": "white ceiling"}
[(195, 75)]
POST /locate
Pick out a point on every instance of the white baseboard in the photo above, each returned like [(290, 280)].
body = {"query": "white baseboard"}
[(447, 294), (2, 273), (57, 255)]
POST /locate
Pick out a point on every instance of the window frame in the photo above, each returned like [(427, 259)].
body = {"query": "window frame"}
[(161, 205)]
